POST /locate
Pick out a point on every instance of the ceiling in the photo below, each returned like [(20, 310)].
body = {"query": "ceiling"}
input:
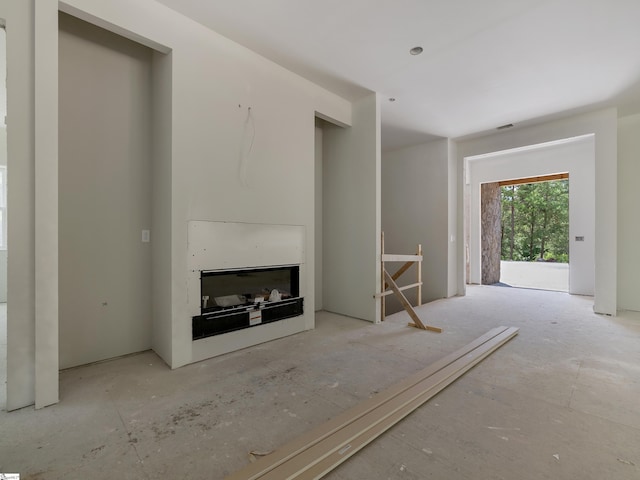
[(485, 63)]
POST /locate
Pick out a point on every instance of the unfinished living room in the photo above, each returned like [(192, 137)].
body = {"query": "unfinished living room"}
[(248, 240)]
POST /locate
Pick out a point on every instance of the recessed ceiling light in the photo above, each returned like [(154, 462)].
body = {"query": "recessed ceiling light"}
[(392, 99), (416, 51)]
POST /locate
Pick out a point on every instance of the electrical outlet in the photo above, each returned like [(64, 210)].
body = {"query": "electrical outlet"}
[(146, 236)]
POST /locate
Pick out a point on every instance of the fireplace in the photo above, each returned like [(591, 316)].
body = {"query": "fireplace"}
[(235, 299)]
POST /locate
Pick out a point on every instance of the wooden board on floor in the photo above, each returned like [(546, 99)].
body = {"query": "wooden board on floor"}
[(357, 443), (323, 448)]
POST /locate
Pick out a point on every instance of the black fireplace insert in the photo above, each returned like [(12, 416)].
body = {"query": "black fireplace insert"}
[(241, 298)]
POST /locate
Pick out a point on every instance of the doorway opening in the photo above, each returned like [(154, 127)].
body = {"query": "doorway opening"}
[(114, 188), (575, 156), (525, 232)]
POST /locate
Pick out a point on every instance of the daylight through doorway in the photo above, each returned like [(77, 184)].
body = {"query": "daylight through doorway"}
[(525, 233)]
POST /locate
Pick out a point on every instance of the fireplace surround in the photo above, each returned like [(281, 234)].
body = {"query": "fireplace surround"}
[(234, 299)]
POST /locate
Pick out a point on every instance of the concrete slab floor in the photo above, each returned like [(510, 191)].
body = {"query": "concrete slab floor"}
[(541, 275), (559, 401)]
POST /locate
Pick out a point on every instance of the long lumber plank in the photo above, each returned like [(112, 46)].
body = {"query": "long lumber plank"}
[(254, 470), (296, 467), (349, 449), (292, 448)]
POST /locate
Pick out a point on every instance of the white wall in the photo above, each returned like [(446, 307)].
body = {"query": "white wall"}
[(3, 157), (161, 200), (628, 205), (105, 194), (604, 125), (210, 77), (415, 189), (3, 161), (3, 276), (214, 82), (45, 25), (18, 15), (576, 158), (351, 222), (318, 216), (452, 213)]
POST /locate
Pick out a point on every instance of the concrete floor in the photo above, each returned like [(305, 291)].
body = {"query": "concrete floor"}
[(559, 401), (541, 275)]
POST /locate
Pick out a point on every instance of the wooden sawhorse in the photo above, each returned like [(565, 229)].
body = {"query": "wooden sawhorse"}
[(389, 280)]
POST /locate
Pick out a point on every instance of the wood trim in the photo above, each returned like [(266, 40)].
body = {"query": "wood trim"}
[(313, 454), (542, 178)]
